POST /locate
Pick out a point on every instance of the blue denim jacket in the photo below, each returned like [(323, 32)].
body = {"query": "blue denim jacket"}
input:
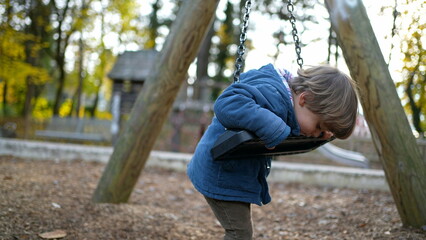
[(261, 104)]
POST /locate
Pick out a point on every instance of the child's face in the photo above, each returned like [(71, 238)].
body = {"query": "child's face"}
[(309, 122)]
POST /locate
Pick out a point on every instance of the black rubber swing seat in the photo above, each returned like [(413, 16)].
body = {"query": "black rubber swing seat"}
[(234, 144)]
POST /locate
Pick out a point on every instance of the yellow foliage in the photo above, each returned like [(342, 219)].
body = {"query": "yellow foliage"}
[(127, 11), (11, 44), (13, 67), (103, 115), (412, 33), (42, 110), (65, 108), (149, 44), (224, 36)]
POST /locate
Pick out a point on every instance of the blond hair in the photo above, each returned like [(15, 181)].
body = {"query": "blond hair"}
[(331, 95)]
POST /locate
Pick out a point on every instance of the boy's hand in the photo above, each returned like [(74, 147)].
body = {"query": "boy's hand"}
[(270, 148), (326, 135)]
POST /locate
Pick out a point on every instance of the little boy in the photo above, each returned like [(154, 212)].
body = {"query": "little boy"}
[(319, 102)]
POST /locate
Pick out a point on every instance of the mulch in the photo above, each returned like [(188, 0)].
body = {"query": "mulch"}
[(52, 199)]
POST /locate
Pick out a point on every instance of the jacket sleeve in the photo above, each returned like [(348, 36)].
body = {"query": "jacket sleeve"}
[(243, 106)]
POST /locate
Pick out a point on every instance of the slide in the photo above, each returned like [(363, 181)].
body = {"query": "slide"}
[(344, 156)]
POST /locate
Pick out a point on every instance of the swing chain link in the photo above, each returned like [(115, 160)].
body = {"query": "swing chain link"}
[(290, 9), (239, 62)]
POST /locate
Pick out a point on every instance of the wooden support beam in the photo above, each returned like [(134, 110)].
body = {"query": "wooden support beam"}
[(393, 139), (154, 101)]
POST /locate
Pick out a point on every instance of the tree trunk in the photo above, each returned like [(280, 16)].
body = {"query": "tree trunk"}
[(28, 108), (5, 86), (80, 67), (392, 136), (101, 65), (9, 11), (92, 111), (80, 76), (154, 101), (60, 89), (61, 46), (202, 67)]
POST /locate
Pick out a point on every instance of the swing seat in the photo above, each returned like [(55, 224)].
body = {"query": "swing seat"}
[(234, 144)]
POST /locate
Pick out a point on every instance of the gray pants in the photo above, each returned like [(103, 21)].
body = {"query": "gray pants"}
[(235, 218)]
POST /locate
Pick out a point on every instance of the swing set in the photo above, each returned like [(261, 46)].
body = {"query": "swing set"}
[(398, 152), (239, 143)]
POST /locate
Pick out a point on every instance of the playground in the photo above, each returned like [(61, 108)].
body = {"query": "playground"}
[(54, 197), (83, 173)]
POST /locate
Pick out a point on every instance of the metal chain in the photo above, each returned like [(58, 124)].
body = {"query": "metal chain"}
[(290, 8), (239, 62)]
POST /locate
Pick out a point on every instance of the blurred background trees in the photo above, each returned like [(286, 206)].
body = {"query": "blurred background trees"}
[(55, 54), (412, 32)]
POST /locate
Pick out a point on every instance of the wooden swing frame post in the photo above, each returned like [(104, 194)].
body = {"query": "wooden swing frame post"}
[(392, 136), (155, 101)]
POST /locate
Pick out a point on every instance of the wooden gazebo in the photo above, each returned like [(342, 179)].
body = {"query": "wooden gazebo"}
[(128, 75)]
